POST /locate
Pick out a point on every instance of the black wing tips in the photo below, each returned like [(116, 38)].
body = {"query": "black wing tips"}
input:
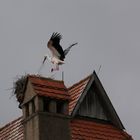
[(74, 44), (68, 49), (56, 35)]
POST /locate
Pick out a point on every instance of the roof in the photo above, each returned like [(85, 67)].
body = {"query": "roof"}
[(92, 130), (79, 91), (81, 129), (49, 87), (75, 92), (12, 131)]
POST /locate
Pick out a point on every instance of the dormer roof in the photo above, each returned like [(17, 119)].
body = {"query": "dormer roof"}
[(45, 87), (49, 87)]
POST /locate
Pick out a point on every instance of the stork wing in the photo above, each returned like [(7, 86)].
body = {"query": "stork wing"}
[(55, 38), (55, 47), (68, 49)]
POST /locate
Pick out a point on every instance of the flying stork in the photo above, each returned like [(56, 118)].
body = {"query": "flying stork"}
[(58, 54)]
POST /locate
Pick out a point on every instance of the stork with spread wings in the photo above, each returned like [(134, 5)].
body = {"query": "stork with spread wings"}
[(58, 54)]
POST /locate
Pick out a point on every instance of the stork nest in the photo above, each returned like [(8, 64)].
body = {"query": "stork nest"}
[(19, 87)]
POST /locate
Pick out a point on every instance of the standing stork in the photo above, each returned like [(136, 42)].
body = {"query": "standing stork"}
[(58, 54)]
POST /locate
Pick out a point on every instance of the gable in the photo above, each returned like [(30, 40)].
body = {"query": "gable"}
[(29, 92), (92, 106), (105, 109)]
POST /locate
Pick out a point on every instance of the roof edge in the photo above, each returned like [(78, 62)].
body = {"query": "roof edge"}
[(73, 113), (8, 124), (109, 103), (43, 78), (72, 86)]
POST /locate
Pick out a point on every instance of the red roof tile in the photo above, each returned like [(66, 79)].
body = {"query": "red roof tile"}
[(12, 131), (80, 130), (56, 89), (91, 130), (75, 92), (48, 87)]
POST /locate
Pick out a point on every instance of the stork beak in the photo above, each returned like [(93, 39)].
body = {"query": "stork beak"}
[(45, 57)]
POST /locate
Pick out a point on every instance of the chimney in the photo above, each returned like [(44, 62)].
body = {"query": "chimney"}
[(45, 109)]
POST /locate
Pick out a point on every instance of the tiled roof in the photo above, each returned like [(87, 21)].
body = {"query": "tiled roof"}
[(81, 129), (12, 131), (56, 89), (75, 92), (91, 130), (48, 87)]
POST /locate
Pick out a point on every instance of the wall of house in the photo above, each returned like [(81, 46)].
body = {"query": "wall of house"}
[(47, 126), (53, 126), (43, 120), (31, 128)]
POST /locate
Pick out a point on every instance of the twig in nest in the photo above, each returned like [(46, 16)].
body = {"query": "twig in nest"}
[(19, 87)]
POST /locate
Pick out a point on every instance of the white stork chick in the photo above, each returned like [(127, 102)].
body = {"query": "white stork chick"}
[(58, 54)]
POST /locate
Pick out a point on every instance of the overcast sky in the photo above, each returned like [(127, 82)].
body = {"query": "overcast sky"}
[(108, 33)]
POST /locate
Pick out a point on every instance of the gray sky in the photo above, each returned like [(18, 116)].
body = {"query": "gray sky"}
[(108, 33)]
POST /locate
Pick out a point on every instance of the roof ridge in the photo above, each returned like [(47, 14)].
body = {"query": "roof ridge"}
[(89, 76), (44, 78), (8, 124)]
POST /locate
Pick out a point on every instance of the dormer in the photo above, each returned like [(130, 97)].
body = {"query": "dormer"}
[(45, 102), (44, 95)]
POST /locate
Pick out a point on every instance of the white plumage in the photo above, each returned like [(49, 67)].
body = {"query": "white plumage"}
[(58, 54)]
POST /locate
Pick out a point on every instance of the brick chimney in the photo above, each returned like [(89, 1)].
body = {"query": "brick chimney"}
[(45, 110)]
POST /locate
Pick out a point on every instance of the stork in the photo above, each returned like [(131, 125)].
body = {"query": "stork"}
[(58, 54)]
